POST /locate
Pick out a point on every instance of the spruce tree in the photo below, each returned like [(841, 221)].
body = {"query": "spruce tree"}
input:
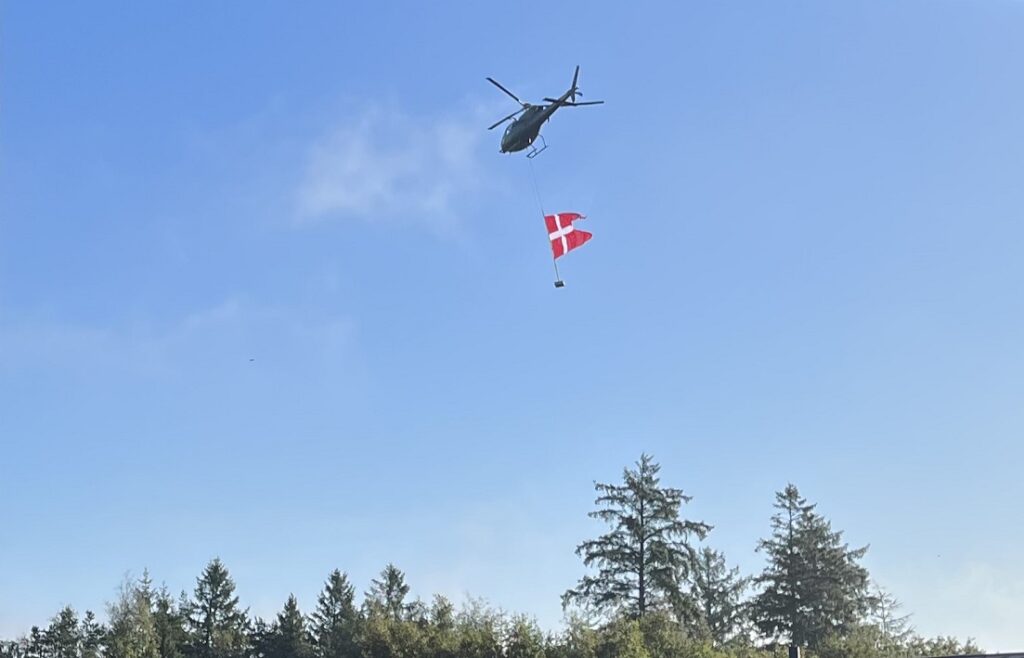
[(217, 628), (169, 624), (63, 638), (718, 592), (388, 594), (93, 634), (335, 622), (813, 586), (523, 638), (288, 637), (645, 559), (132, 632), (442, 640), (894, 629)]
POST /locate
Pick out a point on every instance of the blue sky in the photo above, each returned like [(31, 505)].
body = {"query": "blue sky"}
[(268, 292)]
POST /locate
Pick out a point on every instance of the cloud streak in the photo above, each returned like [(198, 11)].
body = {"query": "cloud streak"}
[(386, 166)]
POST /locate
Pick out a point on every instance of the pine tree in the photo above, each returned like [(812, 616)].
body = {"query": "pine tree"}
[(36, 646), (813, 586), (894, 629), (93, 636), (335, 622), (217, 628), (63, 638), (132, 632), (169, 624), (718, 592), (387, 595), (523, 639), (288, 637), (478, 629), (644, 560), (442, 641)]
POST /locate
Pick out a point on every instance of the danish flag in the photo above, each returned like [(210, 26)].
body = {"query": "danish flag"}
[(563, 235)]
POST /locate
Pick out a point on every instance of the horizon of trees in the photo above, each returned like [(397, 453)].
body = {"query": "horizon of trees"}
[(652, 592)]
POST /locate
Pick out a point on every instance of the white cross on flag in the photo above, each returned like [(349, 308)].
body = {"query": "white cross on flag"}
[(563, 235)]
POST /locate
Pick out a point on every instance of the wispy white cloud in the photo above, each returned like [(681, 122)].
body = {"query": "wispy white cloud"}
[(385, 165)]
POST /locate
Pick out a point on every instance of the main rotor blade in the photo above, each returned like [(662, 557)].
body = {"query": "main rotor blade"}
[(506, 119), (571, 104), (498, 85)]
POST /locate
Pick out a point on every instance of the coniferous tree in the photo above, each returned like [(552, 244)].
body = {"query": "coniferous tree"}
[(813, 586), (63, 638), (93, 636), (217, 628), (479, 631), (623, 638), (36, 646), (388, 594), (335, 622), (442, 641), (645, 559), (132, 632), (288, 637), (895, 629), (169, 624), (523, 638), (718, 592)]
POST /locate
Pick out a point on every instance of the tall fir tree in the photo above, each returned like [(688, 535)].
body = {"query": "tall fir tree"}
[(644, 561), (217, 627), (63, 638), (93, 636), (719, 594), (387, 595), (132, 633), (288, 636), (169, 624), (812, 586), (884, 614), (335, 622)]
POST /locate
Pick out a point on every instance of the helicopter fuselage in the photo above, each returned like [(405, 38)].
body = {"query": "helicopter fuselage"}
[(522, 132), (526, 122)]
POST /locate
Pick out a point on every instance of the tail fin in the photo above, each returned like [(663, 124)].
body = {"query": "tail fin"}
[(575, 77)]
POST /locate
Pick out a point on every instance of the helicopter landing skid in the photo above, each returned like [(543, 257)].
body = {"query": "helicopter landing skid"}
[(534, 151)]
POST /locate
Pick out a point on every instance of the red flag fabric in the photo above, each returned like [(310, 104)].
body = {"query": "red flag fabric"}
[(563, 235)]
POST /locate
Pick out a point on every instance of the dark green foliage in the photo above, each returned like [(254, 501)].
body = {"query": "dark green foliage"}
[(645, 559), (813, 586), (813, 589), (387, 595), (622, 639), (441, 639), (169, 624), (478, 628), (940, 646), (334, 625), (217, 628), (718, 592), (132, 631), (63, 638), (287, 637), (92, 634), (523, 638), (894, 629)]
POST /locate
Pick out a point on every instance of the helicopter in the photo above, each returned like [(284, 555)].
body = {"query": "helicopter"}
[(523, 131)]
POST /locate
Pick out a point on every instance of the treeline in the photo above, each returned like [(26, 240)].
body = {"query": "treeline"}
[(651, 592)]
